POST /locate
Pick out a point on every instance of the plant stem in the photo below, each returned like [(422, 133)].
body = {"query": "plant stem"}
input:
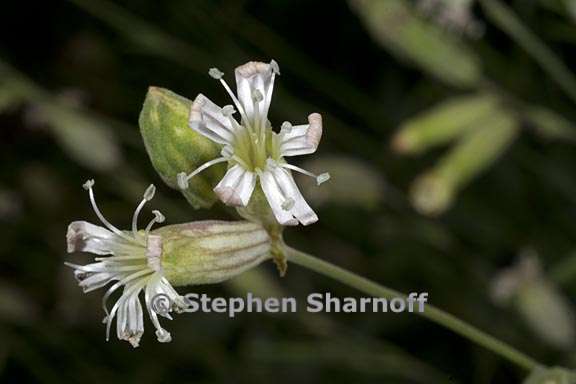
[(432, 313)]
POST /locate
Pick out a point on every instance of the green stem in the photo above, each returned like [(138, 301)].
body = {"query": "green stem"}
[(432, 313)]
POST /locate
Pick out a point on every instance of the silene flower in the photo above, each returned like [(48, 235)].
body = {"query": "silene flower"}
[(150, 261), (254, 152)]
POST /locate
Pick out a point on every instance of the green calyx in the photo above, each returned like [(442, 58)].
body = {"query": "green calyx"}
[(173, 147), (207, 252)]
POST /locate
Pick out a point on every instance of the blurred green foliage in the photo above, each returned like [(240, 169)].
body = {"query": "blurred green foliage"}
[(490, 117)]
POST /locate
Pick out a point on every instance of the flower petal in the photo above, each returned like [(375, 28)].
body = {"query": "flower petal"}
[(300, 209), (236, 186), (85, 237), (255, 76), (302, 139), (207, 119), (276, 198)]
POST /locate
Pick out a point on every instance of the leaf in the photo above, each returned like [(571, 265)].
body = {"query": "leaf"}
[(442, 123), (84, 139), (395, 25), (434, 192), (549, 124)]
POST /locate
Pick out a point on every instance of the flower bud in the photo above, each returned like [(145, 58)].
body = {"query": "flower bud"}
[(207, 252), (175, 148)]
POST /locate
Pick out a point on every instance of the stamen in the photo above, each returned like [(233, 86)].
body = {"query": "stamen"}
[(288, 204), (148, 195), (258, 129), (257, 96), (88, 186), (228, 110), (117, 285), (158, 218), (286, 128), (275, 67), (127, 294), (183, 179), (321, 178), (275, 71), (217, 74)]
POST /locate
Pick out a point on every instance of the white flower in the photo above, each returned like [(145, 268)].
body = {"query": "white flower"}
[(252, 150), (133, 263)]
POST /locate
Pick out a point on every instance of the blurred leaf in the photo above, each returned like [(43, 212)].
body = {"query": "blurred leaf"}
[(352, 182), (434, 192), (505, 19), (442, 123), (257, 282), (554, 375), (395, 25), (15, 306), (549, 124), (538, 300), (174, 147), (84, 138), (547, 312)]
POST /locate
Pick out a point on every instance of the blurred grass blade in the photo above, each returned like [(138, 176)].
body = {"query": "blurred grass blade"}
[(434, 192), (395, 25), (85, 139), (547, 312), (353, 183), (549, 124), (507, 21), (442, 123), (145, 35)]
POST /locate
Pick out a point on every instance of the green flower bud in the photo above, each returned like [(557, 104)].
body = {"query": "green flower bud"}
[(207, 252), (174, 148)]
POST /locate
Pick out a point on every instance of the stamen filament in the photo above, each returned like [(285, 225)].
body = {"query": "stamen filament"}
[(183, 178), (158, 218), (135, 217), (108, 225), (321, 178), (235, 100)]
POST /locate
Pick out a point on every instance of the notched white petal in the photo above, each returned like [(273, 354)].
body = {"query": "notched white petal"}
[(86, 237), (255, 78), (236, 187), (302, 139), (299, 208), (209, 120)]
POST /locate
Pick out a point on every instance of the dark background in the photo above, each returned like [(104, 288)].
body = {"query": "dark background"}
[(74, 74)]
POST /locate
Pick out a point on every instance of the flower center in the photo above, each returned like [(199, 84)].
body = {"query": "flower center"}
[(253, 145)]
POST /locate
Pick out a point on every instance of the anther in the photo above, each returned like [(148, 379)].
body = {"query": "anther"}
[(88, 184), (323, 177), (288, 204), (215, 73), (158, 216), (150, 191), (275, 67), (182, 180), (286, 128), (257, 96), (228, 110)]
